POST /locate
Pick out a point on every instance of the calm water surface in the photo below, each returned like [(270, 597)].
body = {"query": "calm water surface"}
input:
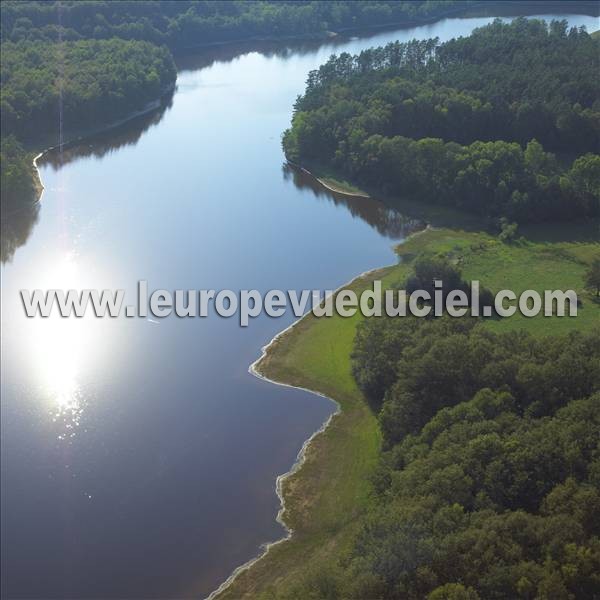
[(138, 458)]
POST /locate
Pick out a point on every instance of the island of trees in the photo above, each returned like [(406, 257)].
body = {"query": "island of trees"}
[(505, 122)]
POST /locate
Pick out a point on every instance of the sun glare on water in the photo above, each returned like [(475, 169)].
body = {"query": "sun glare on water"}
[(59, 349)]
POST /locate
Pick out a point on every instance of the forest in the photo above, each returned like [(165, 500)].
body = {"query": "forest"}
[(488, 478), (90, 81), (185, 23), (504, 122)]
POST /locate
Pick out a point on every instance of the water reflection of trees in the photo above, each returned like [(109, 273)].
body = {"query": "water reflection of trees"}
[(109, 141), (206, 56), (16, 228), (395, 217), (387, 221)]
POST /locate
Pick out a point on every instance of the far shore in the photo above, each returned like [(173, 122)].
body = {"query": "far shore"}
[(526, 6)]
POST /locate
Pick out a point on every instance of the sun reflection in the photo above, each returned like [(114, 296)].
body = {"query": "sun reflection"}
[(59, 347)]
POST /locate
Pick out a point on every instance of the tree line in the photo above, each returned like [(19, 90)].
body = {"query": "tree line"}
[(91, 82), (504, 122), (186, 23)]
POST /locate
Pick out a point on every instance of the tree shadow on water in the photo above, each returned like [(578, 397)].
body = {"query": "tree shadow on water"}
[(16, 228), (395, 218)]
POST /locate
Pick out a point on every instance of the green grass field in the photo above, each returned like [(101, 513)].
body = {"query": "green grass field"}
[(331, 489), (519, 266)]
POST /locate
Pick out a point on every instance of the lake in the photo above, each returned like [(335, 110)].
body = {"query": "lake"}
[(139, 457)]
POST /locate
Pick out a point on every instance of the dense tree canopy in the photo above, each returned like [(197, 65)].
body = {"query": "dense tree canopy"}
[(188, 23), (485, 498), (91, 82), (467, 123), (422, 367)]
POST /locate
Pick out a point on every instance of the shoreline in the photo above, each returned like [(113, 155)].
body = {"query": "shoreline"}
[(546, 6), (321, 35), (270, 350), (254, 370), (328, 186), (88, 133)]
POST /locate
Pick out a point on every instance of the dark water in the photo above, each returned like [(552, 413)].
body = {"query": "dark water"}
[(138, 458)]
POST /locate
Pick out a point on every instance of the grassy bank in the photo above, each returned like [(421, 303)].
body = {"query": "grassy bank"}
[(519, 266), (325, 497)]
